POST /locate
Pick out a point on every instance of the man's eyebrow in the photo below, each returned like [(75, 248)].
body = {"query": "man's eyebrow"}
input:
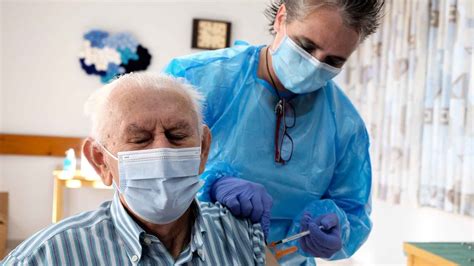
[(135, 128), (178, 125)]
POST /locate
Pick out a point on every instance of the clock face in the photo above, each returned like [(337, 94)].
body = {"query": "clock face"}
[(210, 34)]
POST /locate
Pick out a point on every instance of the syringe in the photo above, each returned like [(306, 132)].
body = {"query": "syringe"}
[(293, 237)]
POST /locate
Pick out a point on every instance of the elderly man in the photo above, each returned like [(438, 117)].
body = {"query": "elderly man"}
[(148, 141)]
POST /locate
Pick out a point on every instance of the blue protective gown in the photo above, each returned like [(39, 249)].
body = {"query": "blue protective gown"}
[(330, 169)]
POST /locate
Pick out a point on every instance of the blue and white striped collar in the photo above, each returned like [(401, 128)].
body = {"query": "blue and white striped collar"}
[(198, 232), (127, 228), (130, 231)]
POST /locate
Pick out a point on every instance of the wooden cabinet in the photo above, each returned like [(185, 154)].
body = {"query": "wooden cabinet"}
[(3, 223)]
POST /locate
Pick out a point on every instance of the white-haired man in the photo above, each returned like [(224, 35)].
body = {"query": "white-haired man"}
[(148, 141)]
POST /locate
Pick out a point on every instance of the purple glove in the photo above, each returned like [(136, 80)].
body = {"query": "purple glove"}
[(244, 199), (324, 238)]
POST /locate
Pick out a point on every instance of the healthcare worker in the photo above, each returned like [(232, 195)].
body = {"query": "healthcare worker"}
[(287, 142)]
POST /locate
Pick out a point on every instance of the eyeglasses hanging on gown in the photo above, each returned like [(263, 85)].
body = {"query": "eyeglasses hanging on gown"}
[(285, 119)]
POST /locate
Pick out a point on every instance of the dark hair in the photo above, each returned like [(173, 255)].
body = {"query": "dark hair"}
[(363, 16)]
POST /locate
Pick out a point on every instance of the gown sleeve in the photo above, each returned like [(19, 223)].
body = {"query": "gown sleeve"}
[(348, 196)]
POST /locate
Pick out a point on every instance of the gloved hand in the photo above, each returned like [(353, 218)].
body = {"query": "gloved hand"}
[(324, 238), (244, 199)]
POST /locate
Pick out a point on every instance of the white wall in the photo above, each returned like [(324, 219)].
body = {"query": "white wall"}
[(395, 224), (43, 87)]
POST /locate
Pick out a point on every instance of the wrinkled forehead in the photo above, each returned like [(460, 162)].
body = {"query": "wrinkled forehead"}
[(124, 97), (131, 105)]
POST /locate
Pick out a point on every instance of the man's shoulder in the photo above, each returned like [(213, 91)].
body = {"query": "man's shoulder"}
[(215, 210), (216, 214), (224, 229), (50, 235)]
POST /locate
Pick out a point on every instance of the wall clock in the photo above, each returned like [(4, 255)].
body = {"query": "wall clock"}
[(210, 34)]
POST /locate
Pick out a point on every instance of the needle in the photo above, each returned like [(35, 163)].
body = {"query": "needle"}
[(293, 237)]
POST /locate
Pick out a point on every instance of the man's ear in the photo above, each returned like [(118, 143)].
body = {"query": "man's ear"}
[(95, 156), (205, 147), (280, 18)]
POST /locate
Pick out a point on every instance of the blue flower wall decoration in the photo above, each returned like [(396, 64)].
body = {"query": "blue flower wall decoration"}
[(108, 55)]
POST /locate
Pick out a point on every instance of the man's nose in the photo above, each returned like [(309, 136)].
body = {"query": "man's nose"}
[(162, 142)]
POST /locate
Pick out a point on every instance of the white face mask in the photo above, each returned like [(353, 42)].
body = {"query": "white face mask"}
[(159, 185)]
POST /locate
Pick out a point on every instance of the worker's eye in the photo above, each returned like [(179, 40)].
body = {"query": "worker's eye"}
[(334, 62), (305, 45), (309, 49)]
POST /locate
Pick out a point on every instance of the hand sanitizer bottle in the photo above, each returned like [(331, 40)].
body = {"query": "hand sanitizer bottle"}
[(69, 165)]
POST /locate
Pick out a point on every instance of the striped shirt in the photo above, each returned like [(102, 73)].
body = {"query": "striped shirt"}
[(109, 236)]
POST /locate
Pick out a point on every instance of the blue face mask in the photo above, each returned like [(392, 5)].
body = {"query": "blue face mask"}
[(159, 185), (297, 70)]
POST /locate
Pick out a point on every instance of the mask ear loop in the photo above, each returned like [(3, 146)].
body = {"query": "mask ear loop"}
[(106, 150), (114, 185), (274, 49)]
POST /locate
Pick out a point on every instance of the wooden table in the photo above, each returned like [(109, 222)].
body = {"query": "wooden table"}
[(445, 254), (63, 180)]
